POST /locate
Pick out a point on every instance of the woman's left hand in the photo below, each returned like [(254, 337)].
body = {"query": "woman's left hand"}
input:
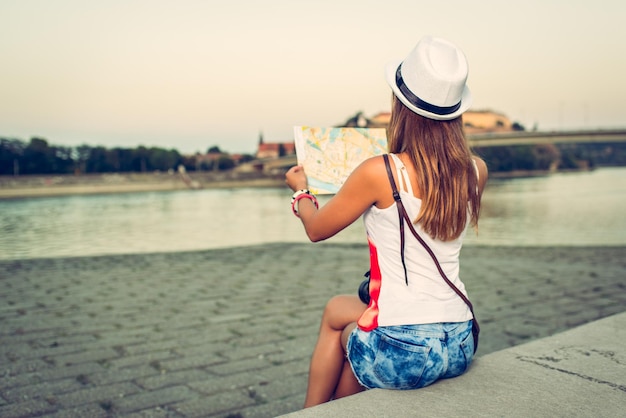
[(296, 178)]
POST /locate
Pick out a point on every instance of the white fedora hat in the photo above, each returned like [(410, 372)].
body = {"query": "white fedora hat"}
[(431, 80)]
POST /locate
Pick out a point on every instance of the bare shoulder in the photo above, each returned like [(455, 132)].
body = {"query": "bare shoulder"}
[(368, 181), (371, 167), (481, 165), (483, 172)]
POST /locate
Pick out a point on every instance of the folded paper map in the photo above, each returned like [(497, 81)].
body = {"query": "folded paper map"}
[(329, 155)]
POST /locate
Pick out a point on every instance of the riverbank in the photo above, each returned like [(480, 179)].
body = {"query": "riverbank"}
[(229, 332), (12, 187)]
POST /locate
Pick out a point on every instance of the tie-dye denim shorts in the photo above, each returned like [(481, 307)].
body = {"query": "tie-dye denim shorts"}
[(410, 356)]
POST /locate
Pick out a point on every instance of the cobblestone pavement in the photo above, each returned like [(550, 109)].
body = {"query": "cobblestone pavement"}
[(229, 332)]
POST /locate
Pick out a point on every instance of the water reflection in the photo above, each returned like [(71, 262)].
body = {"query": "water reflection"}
[(563, 209), (560, 209)]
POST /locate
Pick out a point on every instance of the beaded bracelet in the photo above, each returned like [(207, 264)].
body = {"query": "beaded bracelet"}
[(298, 193), (302, 194)]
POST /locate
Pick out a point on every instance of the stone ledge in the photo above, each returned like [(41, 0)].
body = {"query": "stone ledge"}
[(580, 372)]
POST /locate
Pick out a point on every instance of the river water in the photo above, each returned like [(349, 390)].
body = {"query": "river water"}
[(580, 209)]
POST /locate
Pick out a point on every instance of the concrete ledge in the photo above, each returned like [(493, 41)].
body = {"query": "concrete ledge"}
[(580, 372)]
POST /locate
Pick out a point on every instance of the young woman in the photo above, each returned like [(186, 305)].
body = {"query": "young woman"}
[(416, 329)]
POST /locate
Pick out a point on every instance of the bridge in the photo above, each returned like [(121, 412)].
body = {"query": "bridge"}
[(501, 139), (553, 137)]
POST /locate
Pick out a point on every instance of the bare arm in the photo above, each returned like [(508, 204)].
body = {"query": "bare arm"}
[(360, 191)]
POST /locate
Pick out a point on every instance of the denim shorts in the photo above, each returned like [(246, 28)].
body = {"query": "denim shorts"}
[(410, 356)]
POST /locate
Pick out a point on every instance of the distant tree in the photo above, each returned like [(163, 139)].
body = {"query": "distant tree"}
[(206, 165), (225, 163), (189, 162), (546, 156), (140, 159), (572, 156), (214, 150), (359, 120), (162, 159), (246, 157), (125, 158), (522, 158), (99, 161), (38, 157), (507, 158), (516, 126), (81, 155), (11, 156), (62, 160), (35, 157), (113, 159)]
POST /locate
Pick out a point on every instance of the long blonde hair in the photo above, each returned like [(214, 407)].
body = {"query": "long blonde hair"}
[(446, 174)]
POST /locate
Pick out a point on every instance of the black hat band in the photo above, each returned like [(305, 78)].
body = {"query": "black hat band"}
[(417, 102)]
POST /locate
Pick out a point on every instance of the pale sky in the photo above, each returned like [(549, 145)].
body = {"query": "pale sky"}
[(190, 74)]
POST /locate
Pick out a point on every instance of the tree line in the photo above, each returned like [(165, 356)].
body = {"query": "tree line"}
[(38, 157), (550, 157)]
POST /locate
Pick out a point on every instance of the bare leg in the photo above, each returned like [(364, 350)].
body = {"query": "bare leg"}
[(327, 362), (348, 384)]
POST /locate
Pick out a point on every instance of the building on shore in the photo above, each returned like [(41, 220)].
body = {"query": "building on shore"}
[(474, 121), (484, 121), (274, 149)]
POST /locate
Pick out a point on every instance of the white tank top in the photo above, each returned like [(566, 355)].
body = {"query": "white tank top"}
[(427, 298)]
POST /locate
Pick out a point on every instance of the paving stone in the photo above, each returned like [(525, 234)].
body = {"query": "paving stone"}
[(280, 371), (52, 374), (218, 384), (211, 405), (274, 408), (111, 376), (97, 394), (86, 356), (183, 377), (188, 362), (281, 388), (153, 357), (195, 347), (41, 390), (152, 399), (26, 409), (14, 368), (156, 412), (83, 411)]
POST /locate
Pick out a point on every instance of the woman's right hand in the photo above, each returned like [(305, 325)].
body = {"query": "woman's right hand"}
[(296, 178)]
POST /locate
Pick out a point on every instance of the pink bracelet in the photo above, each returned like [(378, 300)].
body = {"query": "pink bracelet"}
[(303, 196)]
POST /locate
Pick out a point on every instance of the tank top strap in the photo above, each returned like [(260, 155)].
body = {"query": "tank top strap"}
[(476, 169), (477, 174), (404, 182)]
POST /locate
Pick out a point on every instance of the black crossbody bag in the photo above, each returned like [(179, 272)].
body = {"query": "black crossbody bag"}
[(403, 216)]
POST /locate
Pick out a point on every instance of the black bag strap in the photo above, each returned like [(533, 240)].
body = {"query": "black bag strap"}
[(396, 197), (404, 217)]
